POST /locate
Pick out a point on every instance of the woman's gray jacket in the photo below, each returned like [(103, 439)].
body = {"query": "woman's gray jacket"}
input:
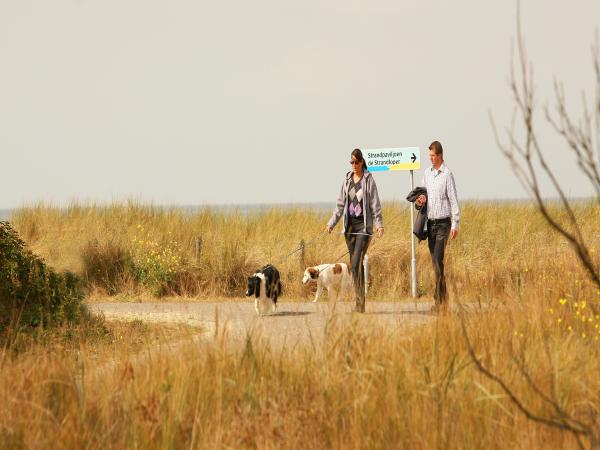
[(371, 204)]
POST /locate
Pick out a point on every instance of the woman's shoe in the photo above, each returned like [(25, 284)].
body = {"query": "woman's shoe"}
[(439, 308)]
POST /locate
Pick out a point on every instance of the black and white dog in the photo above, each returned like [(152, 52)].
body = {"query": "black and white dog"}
[(265, 285)]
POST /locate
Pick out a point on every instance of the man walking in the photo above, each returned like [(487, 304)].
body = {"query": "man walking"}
[(443, 216)]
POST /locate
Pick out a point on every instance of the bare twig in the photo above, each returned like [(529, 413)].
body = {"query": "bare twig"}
[(527, 156), (565, 421)]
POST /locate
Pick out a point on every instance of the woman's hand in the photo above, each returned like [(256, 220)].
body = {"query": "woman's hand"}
[(328, 229), (380, 231)]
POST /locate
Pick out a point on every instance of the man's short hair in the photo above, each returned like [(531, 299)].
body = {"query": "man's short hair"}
[(437, 148)]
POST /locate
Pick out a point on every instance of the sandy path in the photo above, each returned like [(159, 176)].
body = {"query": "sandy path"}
[(294, 322)]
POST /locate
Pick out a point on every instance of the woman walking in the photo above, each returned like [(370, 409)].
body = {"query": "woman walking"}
[(360, 208)]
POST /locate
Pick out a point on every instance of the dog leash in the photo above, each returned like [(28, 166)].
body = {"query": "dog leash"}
[(370, 246), (318, 236), (297, 249)]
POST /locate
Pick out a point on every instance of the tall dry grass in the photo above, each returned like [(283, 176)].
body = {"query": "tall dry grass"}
[(364, 387), (503, 250)]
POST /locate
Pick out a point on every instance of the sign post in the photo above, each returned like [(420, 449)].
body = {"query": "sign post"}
[(398, 159)]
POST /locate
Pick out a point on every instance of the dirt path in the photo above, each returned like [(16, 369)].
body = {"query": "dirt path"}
[(294, 322)]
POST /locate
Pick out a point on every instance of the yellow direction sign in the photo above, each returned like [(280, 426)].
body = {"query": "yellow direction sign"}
[(384, 159)]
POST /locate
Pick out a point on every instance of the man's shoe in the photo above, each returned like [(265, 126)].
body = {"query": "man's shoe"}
[(359, 308)]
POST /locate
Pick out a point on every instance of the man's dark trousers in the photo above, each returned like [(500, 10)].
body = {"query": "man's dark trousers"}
[(438, 233)]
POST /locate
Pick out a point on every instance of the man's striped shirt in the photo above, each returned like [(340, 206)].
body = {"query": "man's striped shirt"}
[(442, 200)]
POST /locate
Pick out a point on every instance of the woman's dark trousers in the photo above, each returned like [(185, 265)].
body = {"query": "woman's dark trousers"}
[(438, 233), (357, 246)]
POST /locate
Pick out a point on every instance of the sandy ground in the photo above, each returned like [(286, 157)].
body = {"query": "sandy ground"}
[(296, 326), (293, 323)]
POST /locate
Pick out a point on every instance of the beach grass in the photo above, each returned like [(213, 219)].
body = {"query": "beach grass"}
[(533, 321), (132, 250), (364, 386)]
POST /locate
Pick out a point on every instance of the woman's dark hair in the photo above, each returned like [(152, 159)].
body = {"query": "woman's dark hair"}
[(437, 148), (357, 153)]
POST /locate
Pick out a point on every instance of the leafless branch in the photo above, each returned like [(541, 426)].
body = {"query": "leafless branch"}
[(526, 157), (564, 421), (561, 415)]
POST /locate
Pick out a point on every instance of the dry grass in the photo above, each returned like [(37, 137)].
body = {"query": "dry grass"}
[(364, 387), (504, 251)]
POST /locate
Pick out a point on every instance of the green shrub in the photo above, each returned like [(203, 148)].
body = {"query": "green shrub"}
[(31, 293)]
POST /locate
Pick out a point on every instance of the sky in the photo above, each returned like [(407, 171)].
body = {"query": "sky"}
[(234, 102)]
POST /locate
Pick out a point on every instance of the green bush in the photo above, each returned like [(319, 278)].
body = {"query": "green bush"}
[(31, 293)]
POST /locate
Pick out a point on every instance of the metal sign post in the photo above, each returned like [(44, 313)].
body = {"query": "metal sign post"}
[(398, 159), (412, 242)]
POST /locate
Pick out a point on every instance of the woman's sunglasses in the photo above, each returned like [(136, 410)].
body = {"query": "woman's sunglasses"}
[(354, 161)]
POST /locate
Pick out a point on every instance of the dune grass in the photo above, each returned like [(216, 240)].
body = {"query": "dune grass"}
[(364, 386), (503, 251)]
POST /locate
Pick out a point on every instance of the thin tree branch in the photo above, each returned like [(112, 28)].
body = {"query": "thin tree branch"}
[(575, 429)]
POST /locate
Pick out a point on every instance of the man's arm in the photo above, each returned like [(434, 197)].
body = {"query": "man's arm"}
[(421, 199), (454, 208)]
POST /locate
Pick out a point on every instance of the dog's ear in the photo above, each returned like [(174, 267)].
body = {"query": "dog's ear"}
[(314, 272), (257, 286)]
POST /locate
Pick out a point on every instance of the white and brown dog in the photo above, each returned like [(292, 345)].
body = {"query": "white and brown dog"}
[(336, 278)]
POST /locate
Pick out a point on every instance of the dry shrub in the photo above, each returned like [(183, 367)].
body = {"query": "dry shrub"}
[(106, 266)]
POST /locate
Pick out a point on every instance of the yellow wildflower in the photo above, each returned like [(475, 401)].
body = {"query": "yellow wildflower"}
[(562, 301)]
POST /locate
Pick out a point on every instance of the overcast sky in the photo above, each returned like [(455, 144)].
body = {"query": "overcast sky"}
[(192, 102)]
